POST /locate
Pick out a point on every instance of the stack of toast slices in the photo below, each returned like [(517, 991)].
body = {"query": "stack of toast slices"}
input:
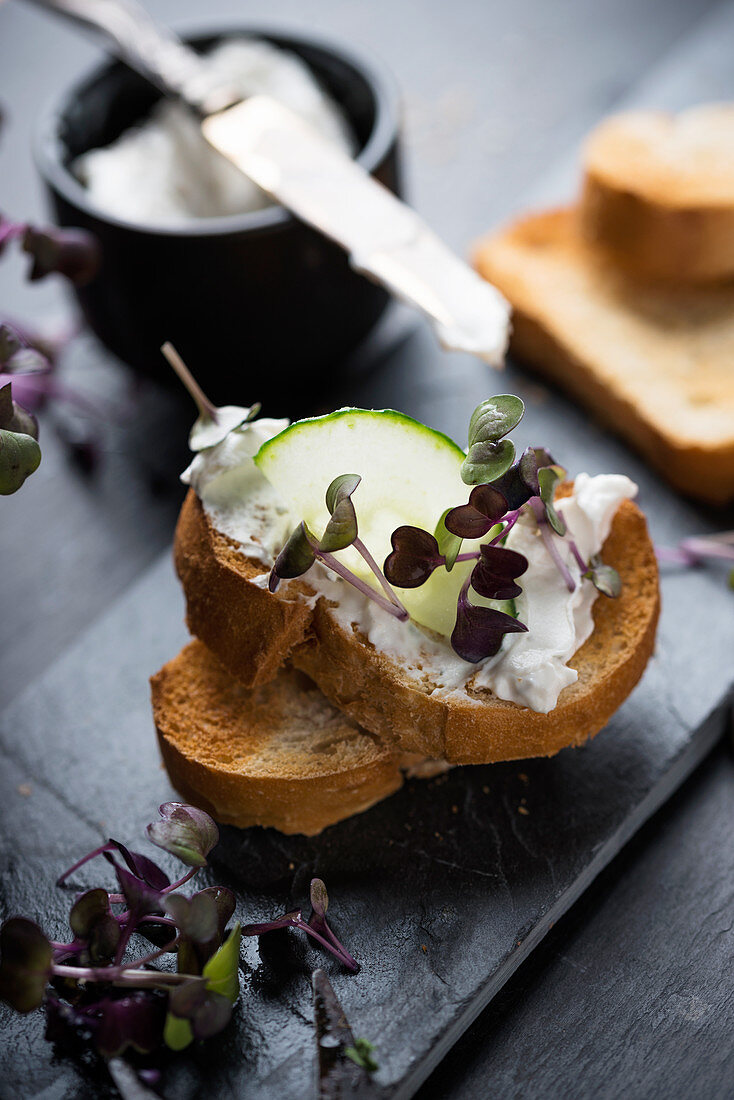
[(626, 300), (276, 716)]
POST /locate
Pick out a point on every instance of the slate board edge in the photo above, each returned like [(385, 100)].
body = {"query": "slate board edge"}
[(699, 746)]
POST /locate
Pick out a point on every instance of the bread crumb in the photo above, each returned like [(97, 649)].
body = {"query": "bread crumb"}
[(485, 790), (523, 778), (454, 809), (424, 949), (25, 789), (523, 810)]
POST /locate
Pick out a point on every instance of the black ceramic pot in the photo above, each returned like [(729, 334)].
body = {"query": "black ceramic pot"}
[(258, 304)]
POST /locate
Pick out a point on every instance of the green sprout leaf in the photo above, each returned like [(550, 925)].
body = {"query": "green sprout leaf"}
[(185, 831), (296, 557), (448, 544), (361, 1054), (219, 978), (20, 456), (605, 578), (25, 964), (548, 479), (487, 462), (13, 417), (341, 530), (490, 455)]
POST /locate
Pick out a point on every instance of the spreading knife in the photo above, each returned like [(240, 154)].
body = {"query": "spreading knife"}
[(385, 239)]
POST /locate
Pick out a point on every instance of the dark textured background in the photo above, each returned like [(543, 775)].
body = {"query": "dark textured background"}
[(631, 995)]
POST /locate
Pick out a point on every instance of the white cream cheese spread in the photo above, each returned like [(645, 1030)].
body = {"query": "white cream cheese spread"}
[(164, 172), (531, 669)]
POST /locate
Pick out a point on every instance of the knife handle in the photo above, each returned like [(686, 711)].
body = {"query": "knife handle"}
[(154, 51)]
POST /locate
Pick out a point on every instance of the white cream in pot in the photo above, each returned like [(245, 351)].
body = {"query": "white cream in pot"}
[(163, 172)]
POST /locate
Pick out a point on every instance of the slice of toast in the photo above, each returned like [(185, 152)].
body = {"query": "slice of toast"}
[(253, 631), (654, 364), (280, 755), (658, 192)]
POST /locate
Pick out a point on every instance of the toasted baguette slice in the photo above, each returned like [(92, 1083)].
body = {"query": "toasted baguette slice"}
[(280, 755), (471, 727), (658, 192), (656, 365)]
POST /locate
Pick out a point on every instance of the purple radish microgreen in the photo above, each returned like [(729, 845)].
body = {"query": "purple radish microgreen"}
[(302, 549), (479, 631), (316, 926), (136, 998), (698, 549), (185, 831), (214, 423), (494, 574), (487, 506), (414, 556), (489, 454)]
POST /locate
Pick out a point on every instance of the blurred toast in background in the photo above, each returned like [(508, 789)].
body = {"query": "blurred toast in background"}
[(650, 355)]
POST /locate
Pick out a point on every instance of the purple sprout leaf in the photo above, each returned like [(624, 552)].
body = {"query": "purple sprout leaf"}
[(224, 903), (605, 578), (317, 923), (296, 557), (415, 554), (549, 477), (341, 530), (494, 574), (479, 631), (140, 898), (196, 917), (20, 456), (449, 544), (73, 253), (185, 831), (520, 482), (143, 868), (92, 922), (26, 958), (134, 1021), (487, 505), (489, 454)]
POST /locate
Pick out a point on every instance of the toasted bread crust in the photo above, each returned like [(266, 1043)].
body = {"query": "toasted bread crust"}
[(371, 689), (215, 737), (658, 193), (675, 343)]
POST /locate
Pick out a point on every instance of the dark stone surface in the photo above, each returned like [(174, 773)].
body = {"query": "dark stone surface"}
[(630, 995), (443, 890)]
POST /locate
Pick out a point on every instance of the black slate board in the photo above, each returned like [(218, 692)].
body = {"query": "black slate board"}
[(443, 890)]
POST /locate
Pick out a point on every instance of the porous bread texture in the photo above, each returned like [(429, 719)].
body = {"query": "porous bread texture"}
[(278, 755), (654, 363), (471, 726), (658, 192)]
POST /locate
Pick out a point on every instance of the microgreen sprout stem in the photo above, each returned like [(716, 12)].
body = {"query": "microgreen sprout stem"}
[(206, 407), (360, 547)]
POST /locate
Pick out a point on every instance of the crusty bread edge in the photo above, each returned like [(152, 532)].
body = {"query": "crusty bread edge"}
[(305, 805)]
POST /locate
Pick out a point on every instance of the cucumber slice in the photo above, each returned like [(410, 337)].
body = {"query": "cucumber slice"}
[(410, 475)]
